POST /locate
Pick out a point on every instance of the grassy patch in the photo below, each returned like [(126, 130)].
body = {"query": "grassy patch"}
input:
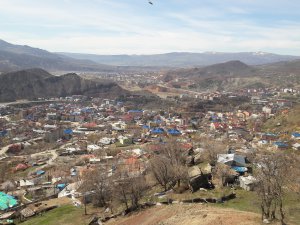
[(244, 201), (24, 173), (215, 193), (249, 201), (289, 122), (65, 215)]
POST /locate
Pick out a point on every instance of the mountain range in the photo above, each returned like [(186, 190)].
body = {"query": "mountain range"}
[(18, 57), (184, 59), (34, 83), (37, 83)]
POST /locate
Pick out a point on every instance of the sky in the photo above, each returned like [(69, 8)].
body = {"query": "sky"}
[(137, 27)]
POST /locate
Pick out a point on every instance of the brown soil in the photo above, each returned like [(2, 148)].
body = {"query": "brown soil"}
[(188, 215)]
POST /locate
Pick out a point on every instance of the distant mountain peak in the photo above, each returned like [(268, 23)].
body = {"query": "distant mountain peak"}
[(3, 43), (261, 53), (213, 53)]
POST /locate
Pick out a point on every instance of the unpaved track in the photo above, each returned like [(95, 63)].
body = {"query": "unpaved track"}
[(195, 214)]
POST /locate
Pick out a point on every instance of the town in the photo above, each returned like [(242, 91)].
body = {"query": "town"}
[(111, 156), (149, 112)]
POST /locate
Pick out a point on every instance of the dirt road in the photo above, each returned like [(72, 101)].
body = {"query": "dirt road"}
[(195, 214)]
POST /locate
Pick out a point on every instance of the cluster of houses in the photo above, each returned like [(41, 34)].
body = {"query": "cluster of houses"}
[(49, 148)]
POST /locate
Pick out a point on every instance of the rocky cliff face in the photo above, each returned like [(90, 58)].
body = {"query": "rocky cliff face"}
[(35, 83)]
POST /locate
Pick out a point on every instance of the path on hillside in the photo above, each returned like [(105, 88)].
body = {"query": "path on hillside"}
[(181, 214)]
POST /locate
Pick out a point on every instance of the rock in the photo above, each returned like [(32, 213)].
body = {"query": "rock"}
[(266, 221), (197, 158), (161, 196)]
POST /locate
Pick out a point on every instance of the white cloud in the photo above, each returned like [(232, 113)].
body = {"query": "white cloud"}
[(114, 27)]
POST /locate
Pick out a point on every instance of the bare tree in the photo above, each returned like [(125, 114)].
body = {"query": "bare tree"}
[(275, 176), (212, 149), (130, 189), (99, 183), (137, 187), (93, 138), (223, 173), (177, 156), (174, 152), (3, 171), (121, 192), (162, 171), (180, 174)]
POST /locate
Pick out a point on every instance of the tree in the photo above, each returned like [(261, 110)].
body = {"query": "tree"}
[(177, 157), (212, 149), (136, 189), (99, 183), (3, 171), (275, 175), (173, 152), (162, 171), (130, 189), (222, 172), (121, 192), (93, 138)]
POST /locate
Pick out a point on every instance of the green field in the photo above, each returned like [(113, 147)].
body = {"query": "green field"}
[(64, 215), (249, 201)]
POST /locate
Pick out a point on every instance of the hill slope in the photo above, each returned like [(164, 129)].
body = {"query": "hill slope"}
[(34, 83), (288, 122), (191, 215), (235, 75), (282, 68), (16, 57), (231, 68)]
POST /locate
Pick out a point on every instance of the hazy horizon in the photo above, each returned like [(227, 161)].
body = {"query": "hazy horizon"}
[(113, 27)]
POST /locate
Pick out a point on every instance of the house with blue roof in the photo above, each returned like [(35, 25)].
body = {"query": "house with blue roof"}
[(173, 132), (240, 169), (146, 127), (68, 131), (269, 136), (280, 145), (61, 186), (157, 121), (40, 172), (135, 111), (157, 130), (3, 133), (296, 135)]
